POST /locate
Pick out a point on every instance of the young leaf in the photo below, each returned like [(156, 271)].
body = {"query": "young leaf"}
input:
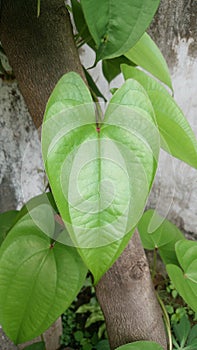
[(177, 137), (146, 54), (116, 28), (100, 175), (185, 278), (45, 277), (157, 232), (141, 345), (7, 219)]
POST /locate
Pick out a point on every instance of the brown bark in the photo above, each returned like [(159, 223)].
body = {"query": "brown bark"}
[(127, 298), (40, 50)]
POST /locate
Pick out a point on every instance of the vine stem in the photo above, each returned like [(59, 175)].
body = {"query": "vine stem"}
[(166, 320)]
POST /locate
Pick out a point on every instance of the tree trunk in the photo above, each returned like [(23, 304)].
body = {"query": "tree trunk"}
[(175, 20), (127, 298), (41, 50)]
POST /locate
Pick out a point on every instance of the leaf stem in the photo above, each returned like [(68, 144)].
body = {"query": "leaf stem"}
[(166, 320)]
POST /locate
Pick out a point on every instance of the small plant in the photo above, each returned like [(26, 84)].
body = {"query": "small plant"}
[(83, 326), (68, 324), (185, 336)]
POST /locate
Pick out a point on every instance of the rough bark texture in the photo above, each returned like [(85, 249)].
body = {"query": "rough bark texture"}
[(40, 50), (173, 21), (127, 298)]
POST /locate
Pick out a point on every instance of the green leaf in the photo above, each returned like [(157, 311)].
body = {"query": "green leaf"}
[(182, 330), (81, 23), (114, 28), (36, 346), (146, 54), (100, 177), (157, 232), (38, 279), (7, 219), (103, 345), (192, 346), (144, 79), (78, 335), (141, 345), (93, 318), (185, 278), (102, 330), (193, 335), (10, 218), (111, 67), (42, 199), (177, 137), (113, 90)]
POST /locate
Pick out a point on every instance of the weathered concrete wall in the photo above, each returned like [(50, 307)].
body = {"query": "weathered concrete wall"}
[(17, 135), (175, 30), (174, 21)]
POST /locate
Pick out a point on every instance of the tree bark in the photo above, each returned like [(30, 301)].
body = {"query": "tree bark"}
[(175, 20), (127, 298), (41, 50)]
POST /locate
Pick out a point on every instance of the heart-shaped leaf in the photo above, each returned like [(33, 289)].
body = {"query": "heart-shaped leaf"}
[(185, 278), (117, 27), (146, 54), (177, 137), (159, 233), (39, 279), (141, 345), (100, 175)]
